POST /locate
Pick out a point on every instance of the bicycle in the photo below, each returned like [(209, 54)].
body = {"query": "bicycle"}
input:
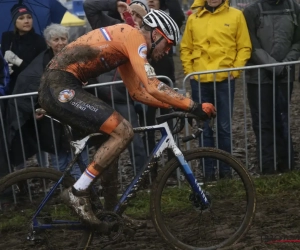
[(193, 199)]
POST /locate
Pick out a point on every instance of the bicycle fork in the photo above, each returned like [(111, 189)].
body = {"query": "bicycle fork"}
[(196, 187)]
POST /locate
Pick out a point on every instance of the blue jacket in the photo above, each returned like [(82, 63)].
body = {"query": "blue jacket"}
[(4, 76), (44, 12)]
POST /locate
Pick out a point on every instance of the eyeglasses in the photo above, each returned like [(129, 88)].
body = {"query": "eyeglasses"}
[(170, 43)]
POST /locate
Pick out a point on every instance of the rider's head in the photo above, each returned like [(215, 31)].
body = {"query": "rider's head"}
[(139, 9), (161, 33)]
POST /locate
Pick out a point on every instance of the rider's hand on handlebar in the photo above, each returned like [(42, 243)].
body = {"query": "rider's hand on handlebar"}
[(204, 111), (209, 109)]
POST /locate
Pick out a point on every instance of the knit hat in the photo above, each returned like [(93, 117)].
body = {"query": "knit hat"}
[(19, 10), (140, 7)]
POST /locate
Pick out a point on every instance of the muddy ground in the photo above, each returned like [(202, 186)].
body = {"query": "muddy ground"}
[(277, 218)]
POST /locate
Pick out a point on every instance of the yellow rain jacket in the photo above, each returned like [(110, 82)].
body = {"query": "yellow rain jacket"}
[(212, 41)]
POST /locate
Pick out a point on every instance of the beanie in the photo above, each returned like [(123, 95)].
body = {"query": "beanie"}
[(140, 7), (19, 10)]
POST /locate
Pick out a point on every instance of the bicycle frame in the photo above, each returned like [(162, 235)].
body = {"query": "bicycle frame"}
[(166, 141)]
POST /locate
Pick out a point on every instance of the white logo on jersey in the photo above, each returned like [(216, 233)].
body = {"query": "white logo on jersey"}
[(66, 95), (142, 50)]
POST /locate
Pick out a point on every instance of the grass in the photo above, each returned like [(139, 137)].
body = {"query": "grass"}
[(271, 185), (139, 207), (14, 221), (174, 199)]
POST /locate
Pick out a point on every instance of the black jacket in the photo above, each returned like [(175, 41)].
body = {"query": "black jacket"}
[(165, 66), (275, 37), (26, 47), (102, 13), (29, 81)]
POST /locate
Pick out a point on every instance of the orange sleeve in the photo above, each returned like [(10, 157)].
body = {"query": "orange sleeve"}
[(137, 51), (135, 89)]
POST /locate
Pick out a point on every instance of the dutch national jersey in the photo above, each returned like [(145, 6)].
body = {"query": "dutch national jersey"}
[(122, 46)]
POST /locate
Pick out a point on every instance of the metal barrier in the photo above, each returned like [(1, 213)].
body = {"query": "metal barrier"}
[(246, 115), (55, 157)]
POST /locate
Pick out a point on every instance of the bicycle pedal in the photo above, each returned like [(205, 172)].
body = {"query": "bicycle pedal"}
[(35, 239), (114, 223)]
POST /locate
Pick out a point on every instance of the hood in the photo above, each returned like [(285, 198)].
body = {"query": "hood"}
[(200, 3)]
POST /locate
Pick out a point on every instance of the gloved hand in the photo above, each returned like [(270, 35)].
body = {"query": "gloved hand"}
[(11, 57), (10, 68), (204, 111)]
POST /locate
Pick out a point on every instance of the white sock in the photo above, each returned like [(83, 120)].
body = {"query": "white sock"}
[(84, 181)]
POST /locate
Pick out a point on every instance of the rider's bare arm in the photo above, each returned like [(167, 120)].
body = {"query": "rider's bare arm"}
[(137, 51)]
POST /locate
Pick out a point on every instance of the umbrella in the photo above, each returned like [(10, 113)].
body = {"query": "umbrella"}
[(44, 12)]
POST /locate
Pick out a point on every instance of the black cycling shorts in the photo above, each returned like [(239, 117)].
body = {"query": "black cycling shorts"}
[(62, 96)]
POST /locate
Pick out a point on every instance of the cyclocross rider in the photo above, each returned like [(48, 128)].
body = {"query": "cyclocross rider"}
[(101, 50)]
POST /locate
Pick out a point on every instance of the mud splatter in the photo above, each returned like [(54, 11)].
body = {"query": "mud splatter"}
[(88, 60)]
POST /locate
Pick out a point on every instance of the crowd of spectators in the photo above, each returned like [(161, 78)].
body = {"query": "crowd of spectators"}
[(227, 38), (22, 75), (262, 34)]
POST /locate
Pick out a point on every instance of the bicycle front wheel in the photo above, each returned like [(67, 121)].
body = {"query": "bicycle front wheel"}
[(178, 213), (21, 193)]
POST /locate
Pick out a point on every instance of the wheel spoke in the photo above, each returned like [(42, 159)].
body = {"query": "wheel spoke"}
[(178, 212)]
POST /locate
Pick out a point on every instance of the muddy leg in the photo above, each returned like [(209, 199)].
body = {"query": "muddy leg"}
[(77, 196)]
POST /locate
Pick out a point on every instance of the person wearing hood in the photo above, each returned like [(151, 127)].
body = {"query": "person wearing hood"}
[(101, 14), (215, 37), (22, 45), (275, 35)]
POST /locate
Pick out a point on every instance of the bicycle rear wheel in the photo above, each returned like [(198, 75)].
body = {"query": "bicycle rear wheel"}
[(178, 215), (21, 193)]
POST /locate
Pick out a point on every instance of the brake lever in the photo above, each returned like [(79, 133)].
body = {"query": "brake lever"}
[(192, 136), (199, 130)]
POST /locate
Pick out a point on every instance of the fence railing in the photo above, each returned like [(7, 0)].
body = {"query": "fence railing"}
[(242, 137), (240, 126), (131, 159)]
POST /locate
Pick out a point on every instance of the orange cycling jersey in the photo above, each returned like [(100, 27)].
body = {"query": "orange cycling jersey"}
[(122, 46)]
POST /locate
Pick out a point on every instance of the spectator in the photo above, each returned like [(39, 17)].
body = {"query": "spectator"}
[(44, 12), (223, 42), (4, 75), (94, 10), (4, 80), (275, 36), (22, 45), (28, 80), (96, 14), (165, 67)]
